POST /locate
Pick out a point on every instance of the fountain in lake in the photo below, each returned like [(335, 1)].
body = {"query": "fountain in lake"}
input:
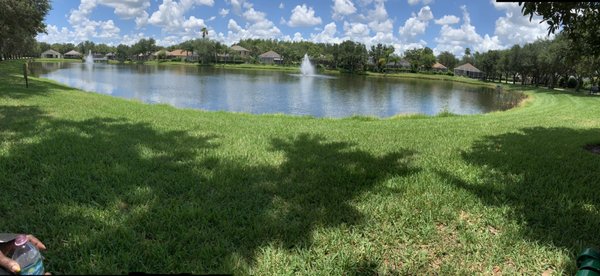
[(307, 68), (89, 60)]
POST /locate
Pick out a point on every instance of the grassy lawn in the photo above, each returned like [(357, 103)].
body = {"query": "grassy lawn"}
[(113, 186)]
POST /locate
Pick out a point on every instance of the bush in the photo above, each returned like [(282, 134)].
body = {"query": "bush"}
[(572, 82), (562, 82)]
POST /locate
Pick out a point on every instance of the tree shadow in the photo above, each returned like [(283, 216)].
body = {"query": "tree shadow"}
[(548, 180), (112, 196), (12, 82)]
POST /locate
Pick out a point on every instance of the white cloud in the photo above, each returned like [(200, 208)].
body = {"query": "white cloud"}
[(416, 24), (327, 35), (193, 24), (54, 35), (259, 27), (303, 16), (211, 18), (415, 2), (83, 28), (236, 5), (223, 12), (171, 17), (281, 5), (142, 20), (425, 14), (358, 32), (447, 20), (342, 8), (514, 28), (132, 39), (400, 48), (233, 26), (109, 30), (253, 15), (455, 40), (378, 19)]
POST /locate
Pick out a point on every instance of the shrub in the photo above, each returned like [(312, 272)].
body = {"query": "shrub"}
[(562, 82), (572, 82)]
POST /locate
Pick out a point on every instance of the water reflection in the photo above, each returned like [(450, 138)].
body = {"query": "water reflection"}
[(276, 92)]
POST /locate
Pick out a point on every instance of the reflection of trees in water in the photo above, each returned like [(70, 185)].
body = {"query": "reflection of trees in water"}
[(38, 68), (504, 100)]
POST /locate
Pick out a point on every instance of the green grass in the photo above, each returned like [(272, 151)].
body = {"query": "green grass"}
[(113, 186)]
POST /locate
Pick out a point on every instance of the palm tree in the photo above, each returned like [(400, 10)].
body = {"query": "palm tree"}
[(204, 32)]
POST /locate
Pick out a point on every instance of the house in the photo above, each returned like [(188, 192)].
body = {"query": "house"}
[(157, 53), (438, 67), (73, 54), (224, 58), (271, 57), (110, 56), (184, 55), (468, 70), (51, 54), (243, 52), (401, 64)]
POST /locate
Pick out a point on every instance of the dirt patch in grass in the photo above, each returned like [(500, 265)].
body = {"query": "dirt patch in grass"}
[(595, 148)]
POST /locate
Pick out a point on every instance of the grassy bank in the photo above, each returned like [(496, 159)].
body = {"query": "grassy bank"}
[(113, 186)]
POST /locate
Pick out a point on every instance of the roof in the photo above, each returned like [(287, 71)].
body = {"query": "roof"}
[(180, 53), (468, 67), (239, 48), (73, 53), (270, 54), (404, 62), (51, 51), (438, 65)]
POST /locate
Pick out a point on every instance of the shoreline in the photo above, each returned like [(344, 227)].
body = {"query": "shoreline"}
[(261, 67), (429, 77)]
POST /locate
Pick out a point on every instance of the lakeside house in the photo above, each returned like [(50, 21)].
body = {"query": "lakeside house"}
[(271, 57), (438, 67), (401, 64), (468, 70), (73, 54), (110, 56), (183, 54), (241, 51), (51, 54)]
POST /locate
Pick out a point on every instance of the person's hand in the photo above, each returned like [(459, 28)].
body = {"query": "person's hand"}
[(11, 264)]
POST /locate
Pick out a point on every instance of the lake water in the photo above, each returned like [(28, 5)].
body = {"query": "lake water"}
[(260, 92)]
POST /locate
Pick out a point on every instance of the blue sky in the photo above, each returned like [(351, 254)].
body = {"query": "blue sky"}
[(443, 25)]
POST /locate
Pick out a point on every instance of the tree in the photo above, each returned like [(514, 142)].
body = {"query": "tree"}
[(426, 58), (379, 55), (413, 57), (204, 32), (20, 22), (205, 48), (144, 47), (123, 52), (447, 59), (353, 56), (467, 57), (515, 61)]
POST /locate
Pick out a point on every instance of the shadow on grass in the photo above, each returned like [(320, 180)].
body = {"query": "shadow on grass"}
[(12, 82), (550, 182), (112, 196)]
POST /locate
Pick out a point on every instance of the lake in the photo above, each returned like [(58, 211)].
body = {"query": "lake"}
[(259, 92)]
